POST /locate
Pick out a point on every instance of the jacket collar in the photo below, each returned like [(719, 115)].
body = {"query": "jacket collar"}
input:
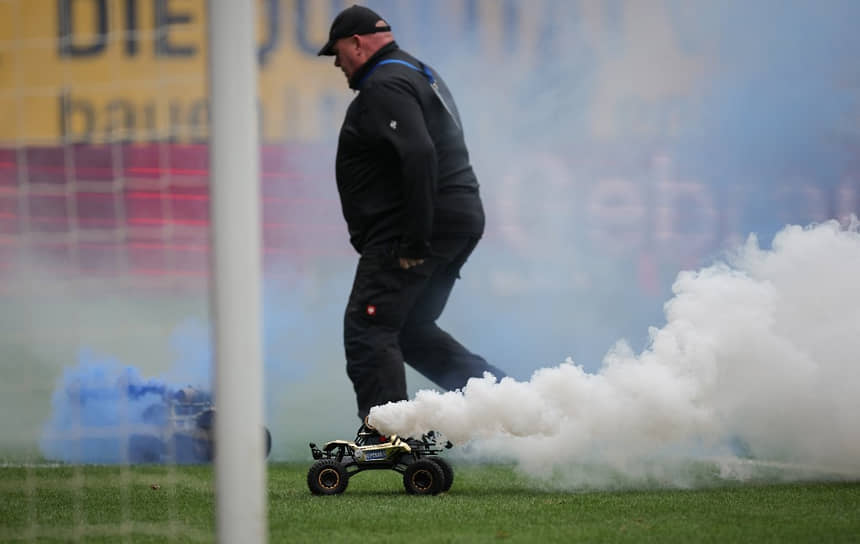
[(359, 74)]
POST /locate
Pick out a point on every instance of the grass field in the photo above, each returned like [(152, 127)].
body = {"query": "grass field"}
[(487, 504)]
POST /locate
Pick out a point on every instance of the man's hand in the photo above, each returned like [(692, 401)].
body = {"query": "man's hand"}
[(406, 264)]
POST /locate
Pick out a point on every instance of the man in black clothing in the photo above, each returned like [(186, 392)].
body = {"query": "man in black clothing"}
[(411, 202)]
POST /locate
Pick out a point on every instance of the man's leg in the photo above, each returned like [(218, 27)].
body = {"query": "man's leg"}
[(382, 296), (426, 347)]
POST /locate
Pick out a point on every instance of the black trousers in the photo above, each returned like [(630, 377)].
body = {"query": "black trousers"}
[(391, 318)]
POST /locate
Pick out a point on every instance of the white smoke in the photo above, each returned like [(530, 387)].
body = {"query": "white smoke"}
[(762, 349)]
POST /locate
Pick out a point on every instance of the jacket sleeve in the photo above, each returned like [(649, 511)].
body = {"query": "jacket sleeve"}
[(395, 116)]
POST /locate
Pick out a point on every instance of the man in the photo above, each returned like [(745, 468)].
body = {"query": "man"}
[(414, 213)]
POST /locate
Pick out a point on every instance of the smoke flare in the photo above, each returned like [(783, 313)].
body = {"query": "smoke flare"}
[(760, 350)]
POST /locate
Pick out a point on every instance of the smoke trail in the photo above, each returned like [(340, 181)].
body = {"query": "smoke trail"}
[(760, 350)]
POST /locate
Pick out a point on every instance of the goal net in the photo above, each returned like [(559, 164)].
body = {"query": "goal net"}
[(106, 253)]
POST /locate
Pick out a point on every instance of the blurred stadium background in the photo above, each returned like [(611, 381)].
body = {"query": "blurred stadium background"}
[(617, 143)]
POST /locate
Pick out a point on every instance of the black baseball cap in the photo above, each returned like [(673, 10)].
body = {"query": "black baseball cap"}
[(349, 22)]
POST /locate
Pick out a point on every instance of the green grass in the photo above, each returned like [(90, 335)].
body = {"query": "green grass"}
[(486, 504)]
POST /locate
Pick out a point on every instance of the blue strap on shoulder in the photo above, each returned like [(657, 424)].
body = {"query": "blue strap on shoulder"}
[(427, 74), (426, 70)]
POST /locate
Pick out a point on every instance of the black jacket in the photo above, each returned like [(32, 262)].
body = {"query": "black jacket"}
[(402, 167)]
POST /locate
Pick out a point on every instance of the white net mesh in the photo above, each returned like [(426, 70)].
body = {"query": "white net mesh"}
[(103, 254), (104, 249)]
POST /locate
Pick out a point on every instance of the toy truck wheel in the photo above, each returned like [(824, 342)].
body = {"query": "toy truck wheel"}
[(206, 423), (144, 449), (447, 471), (203, 449), (206, 420), (423, 477), (327, 477)]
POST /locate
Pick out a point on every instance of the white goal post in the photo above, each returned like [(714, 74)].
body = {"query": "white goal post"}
[(240, 470)]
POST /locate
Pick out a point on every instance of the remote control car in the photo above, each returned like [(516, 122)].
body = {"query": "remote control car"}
[(182, 430), (424, 471)]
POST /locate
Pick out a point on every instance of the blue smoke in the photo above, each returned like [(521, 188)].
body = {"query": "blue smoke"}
[(100, 403), (97, 406)]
